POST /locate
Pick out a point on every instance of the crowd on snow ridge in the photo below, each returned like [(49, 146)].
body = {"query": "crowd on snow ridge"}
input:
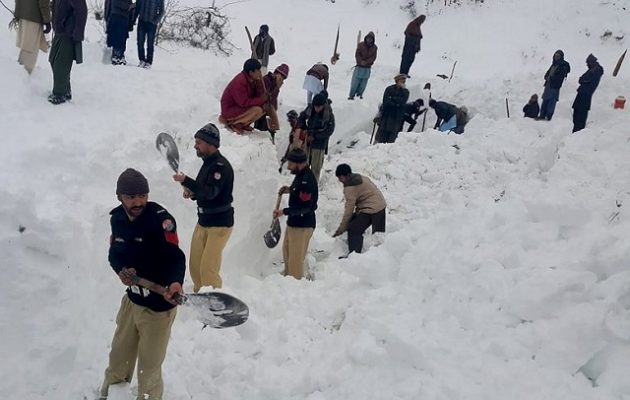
[(144, 241)]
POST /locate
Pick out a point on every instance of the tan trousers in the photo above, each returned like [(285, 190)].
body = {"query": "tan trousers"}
[(247, 118), (294, 250), (272, 117), (317, 161), (141, 334), (30, 39), (206, 250)]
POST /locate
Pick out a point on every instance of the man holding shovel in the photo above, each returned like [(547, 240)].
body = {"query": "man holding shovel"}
[(143, 242), (303, 194), (212, 190)]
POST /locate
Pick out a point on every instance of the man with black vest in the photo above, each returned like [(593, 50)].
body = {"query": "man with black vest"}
[(303, 194), (212, 189), (143, 243)]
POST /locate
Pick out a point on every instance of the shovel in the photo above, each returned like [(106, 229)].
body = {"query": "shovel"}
[(272, 236), (213, 309), (168, 148)]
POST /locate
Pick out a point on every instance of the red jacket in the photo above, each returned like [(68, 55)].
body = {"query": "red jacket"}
[(239, 96)]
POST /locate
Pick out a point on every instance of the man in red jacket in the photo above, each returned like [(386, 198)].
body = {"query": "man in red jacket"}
[(242, 99)]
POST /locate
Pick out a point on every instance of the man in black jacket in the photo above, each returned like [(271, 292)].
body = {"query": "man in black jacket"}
[(318, 119), (588, 83), (303, 194), (143, 243), (554, 77), (446, 115), (392, 110), (212, 189)]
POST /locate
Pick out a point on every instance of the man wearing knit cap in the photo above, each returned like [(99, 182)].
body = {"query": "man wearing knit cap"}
[(212, 190), (392, 110), (271, 84), (588, 83), (143, 243), (303, 194), (263, 46), (243, 99), (319, 121)]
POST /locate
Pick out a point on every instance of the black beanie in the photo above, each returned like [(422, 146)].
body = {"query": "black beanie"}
[(251, 65), (319, 99), (297, 156), (132, 182), (209, 134)]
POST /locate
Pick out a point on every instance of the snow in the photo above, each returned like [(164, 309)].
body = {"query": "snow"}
[(504, 270)]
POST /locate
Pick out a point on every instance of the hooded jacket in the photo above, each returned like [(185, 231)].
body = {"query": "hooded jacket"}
[(588, 83), (362, 197), (413, 35), (365, 55), (559, 69)]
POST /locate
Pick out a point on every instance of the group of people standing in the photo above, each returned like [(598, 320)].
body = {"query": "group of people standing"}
[(554, 78)]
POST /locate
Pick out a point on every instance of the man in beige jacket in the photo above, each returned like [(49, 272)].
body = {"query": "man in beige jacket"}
[(365, 206)]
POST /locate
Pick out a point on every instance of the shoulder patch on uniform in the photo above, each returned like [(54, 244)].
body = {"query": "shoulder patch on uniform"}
[(217, 175), (168, 225)]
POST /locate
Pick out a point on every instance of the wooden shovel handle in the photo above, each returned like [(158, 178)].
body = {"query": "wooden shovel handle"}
[(159, 289)]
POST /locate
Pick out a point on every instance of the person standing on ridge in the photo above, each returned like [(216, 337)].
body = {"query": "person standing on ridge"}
[(588, 83), (263, 46), (150, 13), (413, 37), (33, 21), (365, 55), (554, 77)]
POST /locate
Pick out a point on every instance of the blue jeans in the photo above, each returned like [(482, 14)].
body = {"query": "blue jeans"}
[(146, 32), (448, 125), (549, 99), (359, 81)]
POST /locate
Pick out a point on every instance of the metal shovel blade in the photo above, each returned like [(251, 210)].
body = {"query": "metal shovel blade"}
[(218, 310), (167, 146), (272, 236)]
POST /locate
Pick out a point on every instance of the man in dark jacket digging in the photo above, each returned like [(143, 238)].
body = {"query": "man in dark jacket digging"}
[(319, 121), (392, 110)]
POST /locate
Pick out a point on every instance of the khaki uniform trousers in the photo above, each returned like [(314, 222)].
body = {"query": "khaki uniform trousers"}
[(206, 251), (317, 161), (141, 334), (294, 250)]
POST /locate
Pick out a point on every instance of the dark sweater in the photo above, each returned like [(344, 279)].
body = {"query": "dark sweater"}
[(302, 200), (213, 191), (148, 244)]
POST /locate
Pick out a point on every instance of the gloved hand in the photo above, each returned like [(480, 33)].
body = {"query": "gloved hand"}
[(47, 27)]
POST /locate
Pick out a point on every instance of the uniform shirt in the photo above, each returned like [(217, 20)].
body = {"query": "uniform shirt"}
[(302, 200), (213, 191), (149, 244)]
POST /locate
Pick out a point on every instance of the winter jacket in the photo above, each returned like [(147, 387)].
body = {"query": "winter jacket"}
[(365, 55), (303, 197), (559, 69), (413, 35), (320, 72), (69, 18), (213, 191), (588, 83), (393, 108), (320, 125), (150, 10), (33, 10), (444, 112), (362, 197), (117, 7), (262, 48), (239, 96), (531, 110), (273, 89), (149, 244)]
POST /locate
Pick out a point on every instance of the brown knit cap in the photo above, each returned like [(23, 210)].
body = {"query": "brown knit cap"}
[(132, 182)]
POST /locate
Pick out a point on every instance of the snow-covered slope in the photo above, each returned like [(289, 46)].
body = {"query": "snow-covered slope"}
[(504, 271)]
